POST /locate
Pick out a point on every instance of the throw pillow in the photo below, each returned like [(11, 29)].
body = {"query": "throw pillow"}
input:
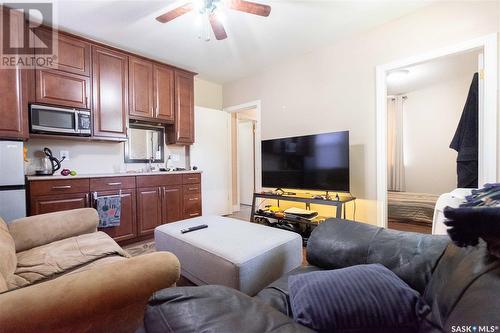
[(362, 298)]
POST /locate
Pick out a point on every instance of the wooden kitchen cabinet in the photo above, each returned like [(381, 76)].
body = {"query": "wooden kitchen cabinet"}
[(13, 88), (172, 204), (62, 88), (56, 203), (148, 201), (141, 88), (163, 83), (128, 226), (183, 130), (73, 53), (110, 93), (149, 209)]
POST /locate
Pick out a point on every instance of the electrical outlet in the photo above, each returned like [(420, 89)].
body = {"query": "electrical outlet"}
[(175, 157), (64, 154)]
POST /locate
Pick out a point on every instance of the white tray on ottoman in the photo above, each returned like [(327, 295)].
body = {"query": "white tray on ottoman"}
[(234, 253)]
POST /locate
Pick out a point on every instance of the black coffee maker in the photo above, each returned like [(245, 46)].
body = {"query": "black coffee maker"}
[(49, 164)]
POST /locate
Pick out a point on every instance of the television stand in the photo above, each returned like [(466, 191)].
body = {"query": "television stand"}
[(338, 202)]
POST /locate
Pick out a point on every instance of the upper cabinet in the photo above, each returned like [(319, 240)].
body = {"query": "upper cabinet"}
[(110, 92), (141, 88), (13, 90), (164, 92), (183, 129), (67, 81), (151, 91)]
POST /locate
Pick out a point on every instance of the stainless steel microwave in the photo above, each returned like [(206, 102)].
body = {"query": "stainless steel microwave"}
[(54, 120)]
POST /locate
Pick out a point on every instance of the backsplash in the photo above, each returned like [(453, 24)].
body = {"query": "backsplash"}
[(95, 157)]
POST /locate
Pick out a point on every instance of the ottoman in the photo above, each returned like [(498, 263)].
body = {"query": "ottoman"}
[(242, 255)]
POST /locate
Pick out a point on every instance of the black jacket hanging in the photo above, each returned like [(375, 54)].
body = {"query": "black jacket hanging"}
[(466, 141)]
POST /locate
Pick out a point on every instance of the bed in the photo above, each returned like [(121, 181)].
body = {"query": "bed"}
[(411, 211)]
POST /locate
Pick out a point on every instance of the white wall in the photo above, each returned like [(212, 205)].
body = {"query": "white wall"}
[(333, 89), (430, 119), (105, 157)]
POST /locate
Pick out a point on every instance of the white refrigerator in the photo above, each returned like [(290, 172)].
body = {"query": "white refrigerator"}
[(12, 186)]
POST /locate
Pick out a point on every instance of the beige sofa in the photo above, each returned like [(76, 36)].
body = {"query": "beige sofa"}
[(58, 274)]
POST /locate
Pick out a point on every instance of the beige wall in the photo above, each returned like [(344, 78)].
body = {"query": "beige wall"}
[(207, 94), (333, 89), (430, 119), (99, 157)]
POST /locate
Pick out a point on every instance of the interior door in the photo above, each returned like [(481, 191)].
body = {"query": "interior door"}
[(246, 161), (211, 153), (480, 69)]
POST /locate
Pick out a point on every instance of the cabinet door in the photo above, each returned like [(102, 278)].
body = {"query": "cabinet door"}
[(64, 89), (128, 226), (73, 54), (164, 93), (141, 88), (13, 92), (56, 203), (183, 132), (172, 203), (110, 90), (149, 209)]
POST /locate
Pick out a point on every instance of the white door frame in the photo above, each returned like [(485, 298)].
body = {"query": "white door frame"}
[(258, 153), (487, 116)]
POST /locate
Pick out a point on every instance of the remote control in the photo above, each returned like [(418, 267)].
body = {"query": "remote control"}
[(198, 227)]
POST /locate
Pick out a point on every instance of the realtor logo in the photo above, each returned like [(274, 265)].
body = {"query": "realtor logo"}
[(28, 37)]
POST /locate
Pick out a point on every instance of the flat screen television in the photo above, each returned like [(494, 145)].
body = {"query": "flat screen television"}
[(312, 162)]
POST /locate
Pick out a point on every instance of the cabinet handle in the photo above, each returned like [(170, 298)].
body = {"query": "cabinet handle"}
[(114, 184), (193, 178), (193, 188), (193, 199), (62, 187), (194, 214)]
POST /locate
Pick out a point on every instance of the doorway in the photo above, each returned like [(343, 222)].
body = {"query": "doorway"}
[(487, 117), (245, 156)]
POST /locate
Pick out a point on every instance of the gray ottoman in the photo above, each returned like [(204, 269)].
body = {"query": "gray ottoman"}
[(234, 253)]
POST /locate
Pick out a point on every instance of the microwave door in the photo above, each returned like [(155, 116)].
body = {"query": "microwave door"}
[(53, 120)]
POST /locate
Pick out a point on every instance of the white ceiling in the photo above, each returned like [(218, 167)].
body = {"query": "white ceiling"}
[(293, 28), (434, 71)]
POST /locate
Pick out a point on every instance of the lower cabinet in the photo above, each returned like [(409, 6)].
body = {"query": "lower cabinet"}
[(56, 203), (128, 226), (149, 209), (146, 201)]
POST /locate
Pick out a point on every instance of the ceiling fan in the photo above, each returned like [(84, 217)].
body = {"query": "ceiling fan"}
[(211, 9)]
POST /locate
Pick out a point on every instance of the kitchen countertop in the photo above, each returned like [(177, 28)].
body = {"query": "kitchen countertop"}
[(57, 175)]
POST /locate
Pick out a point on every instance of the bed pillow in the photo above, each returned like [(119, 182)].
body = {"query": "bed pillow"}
[(362, 298)]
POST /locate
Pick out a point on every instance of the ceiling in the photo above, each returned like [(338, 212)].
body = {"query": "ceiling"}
[(434, 71), (293, 28)]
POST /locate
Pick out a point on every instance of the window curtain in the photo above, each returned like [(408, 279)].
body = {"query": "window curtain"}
[(395, 154)]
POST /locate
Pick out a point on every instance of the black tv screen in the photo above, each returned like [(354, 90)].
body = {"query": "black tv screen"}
[(313, 162)]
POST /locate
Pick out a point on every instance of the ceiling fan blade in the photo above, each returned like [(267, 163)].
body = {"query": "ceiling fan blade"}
[(174, 13), (217, 27), (250, 7)]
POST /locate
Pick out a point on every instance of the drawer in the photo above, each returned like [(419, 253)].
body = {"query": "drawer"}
[(111, 183), (158, 180), (59, 186), (191, 178), (191, 189), (192, 205)]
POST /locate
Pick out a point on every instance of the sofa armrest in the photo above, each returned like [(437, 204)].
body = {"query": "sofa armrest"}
[(412, 256), (108, 298), (33, 231)]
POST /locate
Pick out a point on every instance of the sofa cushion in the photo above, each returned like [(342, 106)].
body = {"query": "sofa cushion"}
[(54, 259), (213, 309), (277, 293), (8, 260), (363, 298)]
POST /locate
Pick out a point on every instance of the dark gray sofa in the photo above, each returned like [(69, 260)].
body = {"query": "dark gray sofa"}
[(461, 285)]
